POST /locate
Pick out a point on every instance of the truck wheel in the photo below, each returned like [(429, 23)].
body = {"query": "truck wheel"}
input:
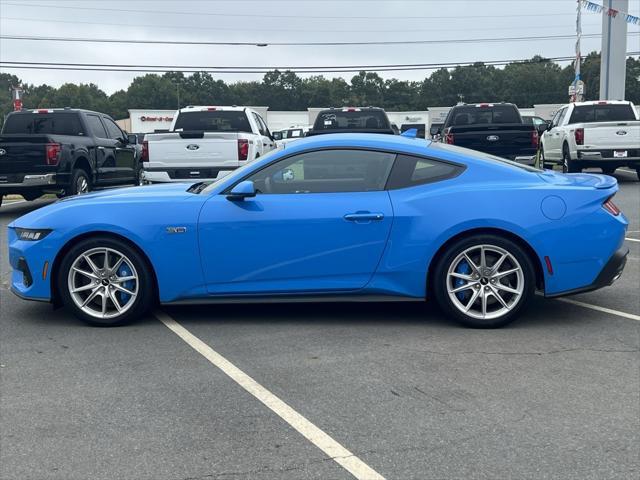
[(0, 200), (138, 180), (568, 165), (608, 170), (543, 161), (80, 183)]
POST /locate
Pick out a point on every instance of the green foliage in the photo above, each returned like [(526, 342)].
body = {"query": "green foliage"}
[(534, 81)]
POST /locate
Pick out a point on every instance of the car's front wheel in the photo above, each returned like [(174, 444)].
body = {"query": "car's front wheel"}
[(484, 281), (105, 281)]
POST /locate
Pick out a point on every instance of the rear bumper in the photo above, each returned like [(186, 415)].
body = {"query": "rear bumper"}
[(609, 274), (157, 175), (29, 182), (606, 157)]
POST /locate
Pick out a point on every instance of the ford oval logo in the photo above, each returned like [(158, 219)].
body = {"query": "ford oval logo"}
[(2, 151), (193, 146), (621, 132), (493, 138)]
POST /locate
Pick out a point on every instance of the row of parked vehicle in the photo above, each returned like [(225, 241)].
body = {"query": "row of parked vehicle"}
[(70, 151)]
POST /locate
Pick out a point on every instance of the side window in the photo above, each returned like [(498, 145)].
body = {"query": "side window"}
[(96, 127), (326, 171), (409, 171), (112, 129), (563, 112), (264, 126), (256, 117)]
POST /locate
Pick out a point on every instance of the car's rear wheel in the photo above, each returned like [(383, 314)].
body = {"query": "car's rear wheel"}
[(568, 165), (105, 282), (79, 183), (484, 281)]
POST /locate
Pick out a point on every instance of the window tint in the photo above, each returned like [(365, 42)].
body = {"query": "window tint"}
[(409, 171), (352, 120), (96, 127), (473, 115), (112, 129), (602, 113), (213, 121), (326, 171), (43, 123)]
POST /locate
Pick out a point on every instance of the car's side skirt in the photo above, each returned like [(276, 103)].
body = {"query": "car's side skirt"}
[(293, 299)]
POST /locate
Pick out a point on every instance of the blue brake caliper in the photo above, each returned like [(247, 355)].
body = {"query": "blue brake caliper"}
[(464, 269), (125, 271)]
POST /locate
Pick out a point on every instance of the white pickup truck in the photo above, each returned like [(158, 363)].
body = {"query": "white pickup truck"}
[(603, 134), (205, 143)]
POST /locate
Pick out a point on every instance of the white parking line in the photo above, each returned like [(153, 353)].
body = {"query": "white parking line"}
[(320, 439), (632, 239), (630, 316)]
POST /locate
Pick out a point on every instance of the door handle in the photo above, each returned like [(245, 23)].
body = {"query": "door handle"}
[(100, 148), (364, 216)]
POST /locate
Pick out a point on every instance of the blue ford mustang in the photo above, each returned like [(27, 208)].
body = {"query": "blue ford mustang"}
[(335, 217)]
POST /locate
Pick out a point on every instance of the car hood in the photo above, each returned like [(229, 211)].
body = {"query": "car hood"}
[(579, 179), (154, 194)]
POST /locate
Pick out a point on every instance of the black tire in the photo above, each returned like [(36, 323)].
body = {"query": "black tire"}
[(543, 162), (138, 180), (145, 289), (31, 197), (608, 170), (441, 278), (79, 183), (1, 197), (568, 165), (638, 173)]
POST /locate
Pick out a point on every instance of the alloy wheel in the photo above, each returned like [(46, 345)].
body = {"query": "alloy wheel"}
[(485, 282), (82, 184), (103, 283)]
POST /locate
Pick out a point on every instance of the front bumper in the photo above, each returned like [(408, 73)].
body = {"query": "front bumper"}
[(607, 276)]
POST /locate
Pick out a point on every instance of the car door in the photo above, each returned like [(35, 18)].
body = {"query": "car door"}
[(553, 137), (125, 154), (319, 223), (262, 143), (104, 150)]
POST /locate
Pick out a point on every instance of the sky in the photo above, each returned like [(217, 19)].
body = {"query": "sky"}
[(285, 21)]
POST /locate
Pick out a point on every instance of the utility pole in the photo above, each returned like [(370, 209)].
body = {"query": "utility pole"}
[(613, 60), (576, 89)]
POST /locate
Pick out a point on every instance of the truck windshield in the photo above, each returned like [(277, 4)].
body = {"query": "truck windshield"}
[(213, 121), (474, 115), (352, 120), (43, 123), (602, 113)]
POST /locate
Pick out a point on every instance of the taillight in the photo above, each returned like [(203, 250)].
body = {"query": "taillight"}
[(579, 135), (52, 155), (448, 138), (144, 156), (243, 149), (534, 139), (611, 207)]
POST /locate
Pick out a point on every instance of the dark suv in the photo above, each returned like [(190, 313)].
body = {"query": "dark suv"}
[(352, 119), (64, 151)]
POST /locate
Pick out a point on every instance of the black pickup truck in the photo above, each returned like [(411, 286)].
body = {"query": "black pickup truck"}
[(494, 128), (64, 151), (350, 120)]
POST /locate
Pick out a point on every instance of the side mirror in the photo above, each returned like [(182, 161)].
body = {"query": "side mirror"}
[(542, 127), (434, 131), (241, 191), (132, 139)]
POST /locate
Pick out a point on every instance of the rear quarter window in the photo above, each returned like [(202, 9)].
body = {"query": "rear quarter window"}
[(43, 124), (409, 171)]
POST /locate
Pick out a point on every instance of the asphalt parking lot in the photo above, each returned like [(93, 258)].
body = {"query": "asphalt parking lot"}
[(407, 393)]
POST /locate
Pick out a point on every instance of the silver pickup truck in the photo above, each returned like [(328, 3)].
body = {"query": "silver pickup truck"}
[(205, 143)]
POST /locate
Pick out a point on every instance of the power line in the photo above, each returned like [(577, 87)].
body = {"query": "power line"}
[(261, 70), (314, 44), (262, 29), (260, 15)]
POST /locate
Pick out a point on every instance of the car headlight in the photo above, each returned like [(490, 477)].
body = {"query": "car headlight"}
[(32, 234)]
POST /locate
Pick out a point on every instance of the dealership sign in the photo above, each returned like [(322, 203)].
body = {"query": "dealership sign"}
[(145, 118)]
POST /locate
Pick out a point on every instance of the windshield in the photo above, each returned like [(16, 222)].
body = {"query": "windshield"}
[(43, 123), (240, 172), (213, 121), (467, 152), (352, 120)]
